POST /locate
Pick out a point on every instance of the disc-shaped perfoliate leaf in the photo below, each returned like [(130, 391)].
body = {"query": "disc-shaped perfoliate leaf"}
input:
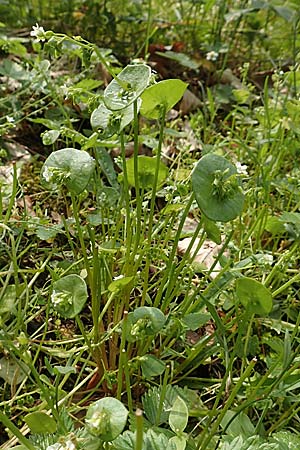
[(254, 296), (128, 86), (108, 122), (217, 189), (69, 295), (143, 322), (67, 167), (161, 96), (106, 418), (146, 172), (40, 422)]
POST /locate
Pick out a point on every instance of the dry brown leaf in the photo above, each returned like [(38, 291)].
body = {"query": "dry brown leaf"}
[(189, 102), (205, 256)]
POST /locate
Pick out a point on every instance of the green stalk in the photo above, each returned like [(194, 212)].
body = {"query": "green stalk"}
[(162, 394), (136, 180), (15, 431), (139, 429), (152, 206), (204, 444), (170, 266)]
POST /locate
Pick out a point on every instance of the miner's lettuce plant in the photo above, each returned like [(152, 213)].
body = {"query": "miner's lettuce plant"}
[(142, 315)]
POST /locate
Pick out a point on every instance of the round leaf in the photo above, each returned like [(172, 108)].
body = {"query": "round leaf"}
[(217, 188), (50, 136), (69, 295), (106, 418), (164, 94), (130, 83), (146, 172), (70, 167), (108, 122), (143, 322), (40, 422), (254, 296)]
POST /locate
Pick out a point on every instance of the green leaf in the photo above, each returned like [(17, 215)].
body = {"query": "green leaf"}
[(13, 371), (119, 284), (106, 163), (8, 300), (181, 58), (146, 171), (128, 86), (11, 69), (213, 232), (178, 441), (237, 424), (69, 295), (291, 440), (63, 370), (108, 122), (151, 366), (144, 321), (106, 418), (254, 296), (70, 167), (50, 136), (179, 415), (162, 95), (195, 320), (40, 422), (217, 188)]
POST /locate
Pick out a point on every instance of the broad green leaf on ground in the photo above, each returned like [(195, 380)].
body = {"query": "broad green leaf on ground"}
[(254, 296), (161, 96), (217, 189), (40, 422), (106, 418), (69, 295), (146, 172), (130, 83), (69, 167)]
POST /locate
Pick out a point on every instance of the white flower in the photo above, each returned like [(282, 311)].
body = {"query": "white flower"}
[(212, 56), (68, 445), (38, 32), (119, 277), (47, 174), (241, 168)]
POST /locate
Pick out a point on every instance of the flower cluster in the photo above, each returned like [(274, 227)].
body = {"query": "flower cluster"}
[(38, 32)]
